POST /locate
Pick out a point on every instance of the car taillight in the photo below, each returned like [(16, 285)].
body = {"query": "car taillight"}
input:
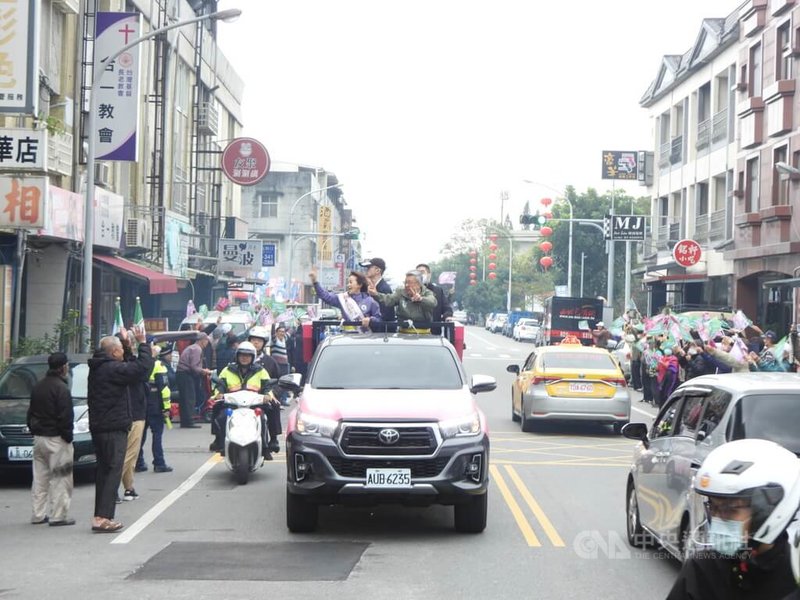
[(620, 382), (538, 380)]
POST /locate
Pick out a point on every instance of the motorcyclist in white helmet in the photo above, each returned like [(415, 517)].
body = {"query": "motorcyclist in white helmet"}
[(751, 489), (260, 336)]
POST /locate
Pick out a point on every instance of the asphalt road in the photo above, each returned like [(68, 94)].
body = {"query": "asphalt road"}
[(556, 526)]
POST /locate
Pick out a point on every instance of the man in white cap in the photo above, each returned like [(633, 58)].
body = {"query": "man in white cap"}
[(601, 335)]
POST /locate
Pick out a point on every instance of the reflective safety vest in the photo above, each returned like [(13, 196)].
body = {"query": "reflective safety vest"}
[(230, 380), (159, 383)]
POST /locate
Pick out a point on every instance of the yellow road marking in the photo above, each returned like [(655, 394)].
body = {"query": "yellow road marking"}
[(516, 511), (557, 463), (546, 524)]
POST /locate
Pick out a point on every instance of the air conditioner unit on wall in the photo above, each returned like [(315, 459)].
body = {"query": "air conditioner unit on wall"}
[(138, 233), (102, 174), (208, 118)]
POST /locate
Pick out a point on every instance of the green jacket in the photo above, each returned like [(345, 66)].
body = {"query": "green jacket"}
[(421, 311)]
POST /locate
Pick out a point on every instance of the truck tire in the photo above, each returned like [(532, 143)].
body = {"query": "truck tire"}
[(470, 517), (301, 515)]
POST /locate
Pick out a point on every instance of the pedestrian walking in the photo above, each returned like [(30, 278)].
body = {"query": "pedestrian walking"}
[(50, 419), (279, 350), (158, 411), (137, 394), (110, 380), (190, 373)]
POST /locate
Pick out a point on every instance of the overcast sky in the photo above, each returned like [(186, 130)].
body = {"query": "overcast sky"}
[(427, 109)]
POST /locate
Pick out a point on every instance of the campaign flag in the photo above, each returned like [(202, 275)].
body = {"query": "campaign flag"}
[(118, 324), (138, 317)]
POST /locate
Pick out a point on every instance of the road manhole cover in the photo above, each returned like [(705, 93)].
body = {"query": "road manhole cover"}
[(234, 561)]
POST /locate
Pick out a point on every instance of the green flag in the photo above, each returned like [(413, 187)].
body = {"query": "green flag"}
[(118, 324), (138, 318)]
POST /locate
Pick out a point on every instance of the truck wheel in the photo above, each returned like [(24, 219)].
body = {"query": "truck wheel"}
[(470, 517), (241, 465), (301, 515)]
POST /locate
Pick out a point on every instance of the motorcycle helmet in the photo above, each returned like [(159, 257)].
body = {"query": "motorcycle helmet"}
[(760, 471), (246, 348), (259, 332)]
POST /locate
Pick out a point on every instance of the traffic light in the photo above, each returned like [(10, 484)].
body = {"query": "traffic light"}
[(536, 220)]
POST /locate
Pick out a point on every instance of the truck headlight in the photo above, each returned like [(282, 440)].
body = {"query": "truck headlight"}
[(312, 425), (469, 425)]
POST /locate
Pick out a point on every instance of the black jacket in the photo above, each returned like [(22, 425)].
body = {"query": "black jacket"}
[(50, 412), (387, 312), (109, 388), (266, 361), (696, 365), (138, 392), (765, 577), (443, 309)]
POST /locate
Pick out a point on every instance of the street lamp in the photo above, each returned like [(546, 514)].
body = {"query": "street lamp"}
[(569, 252), (88, 239), (291, 226)]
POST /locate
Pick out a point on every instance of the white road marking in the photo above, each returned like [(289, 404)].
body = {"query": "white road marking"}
[(643, 412), (151, 515)]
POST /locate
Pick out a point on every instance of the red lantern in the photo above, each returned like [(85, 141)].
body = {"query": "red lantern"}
[(493, 237), (473, 282), (546, 262), (472, 261), (545, 246), (546, 231), (492, 266), (492, 275), (492, 247), (473, 275), (492, 256), (473, 253), (473, 268), (546, 201)]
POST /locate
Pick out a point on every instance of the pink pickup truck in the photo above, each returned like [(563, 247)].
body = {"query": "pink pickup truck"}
[(388, 418)]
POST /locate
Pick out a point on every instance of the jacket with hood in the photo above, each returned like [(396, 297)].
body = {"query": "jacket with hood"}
[(109, 388)]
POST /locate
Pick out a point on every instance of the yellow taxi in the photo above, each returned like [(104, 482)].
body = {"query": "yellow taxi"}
[(569, 382)]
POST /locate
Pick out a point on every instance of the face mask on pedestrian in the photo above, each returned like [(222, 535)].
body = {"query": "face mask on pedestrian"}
[(727, 537)]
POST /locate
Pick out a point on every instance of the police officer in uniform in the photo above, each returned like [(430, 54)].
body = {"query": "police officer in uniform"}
[(260, 337), (158, 410), (242, 374)]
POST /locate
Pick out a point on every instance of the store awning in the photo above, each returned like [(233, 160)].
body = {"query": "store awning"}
[(159, 283)]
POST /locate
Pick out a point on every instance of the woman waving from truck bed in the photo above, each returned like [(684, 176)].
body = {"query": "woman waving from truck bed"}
[(356, 304)]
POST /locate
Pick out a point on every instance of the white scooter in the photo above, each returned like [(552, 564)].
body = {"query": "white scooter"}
[(243, 433)]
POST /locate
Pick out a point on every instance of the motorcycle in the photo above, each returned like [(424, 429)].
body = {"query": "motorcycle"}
[(243, 432)]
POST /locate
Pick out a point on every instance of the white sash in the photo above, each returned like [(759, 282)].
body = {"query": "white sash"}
[(350, 307)]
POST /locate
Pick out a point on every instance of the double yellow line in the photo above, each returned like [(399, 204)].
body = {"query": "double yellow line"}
[(519, 516)]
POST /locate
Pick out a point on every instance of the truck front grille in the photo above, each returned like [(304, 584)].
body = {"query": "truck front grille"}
[(367, 440), (421, 468)]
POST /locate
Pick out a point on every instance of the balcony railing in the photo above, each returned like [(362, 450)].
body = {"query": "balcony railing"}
[(716, 230), (676, 150), (719, 126), (666, 230), (703, 134), (701, 228), (663, 155)]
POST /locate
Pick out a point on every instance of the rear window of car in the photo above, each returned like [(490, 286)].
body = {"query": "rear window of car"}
[(774, 417), (577, 360), (18, 381), (386, 367)]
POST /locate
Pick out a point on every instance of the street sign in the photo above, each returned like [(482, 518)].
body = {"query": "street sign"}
[(629, 228), (268, 255), (245, 161), (620, 164), (239, 256), (687, 253)]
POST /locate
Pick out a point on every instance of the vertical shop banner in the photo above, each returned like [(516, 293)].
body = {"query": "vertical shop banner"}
[(176, 244), (117, 104), (109, 211), (22, 149), (22, 201), (325, 226), (19, 56)]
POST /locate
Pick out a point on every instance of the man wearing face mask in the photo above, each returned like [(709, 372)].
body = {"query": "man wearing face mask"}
[(752, 492), (443, 311)]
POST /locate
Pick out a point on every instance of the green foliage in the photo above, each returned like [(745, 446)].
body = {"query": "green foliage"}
[(65, 337)]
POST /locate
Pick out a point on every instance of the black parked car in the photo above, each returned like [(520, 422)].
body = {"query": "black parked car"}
[(16, 383)]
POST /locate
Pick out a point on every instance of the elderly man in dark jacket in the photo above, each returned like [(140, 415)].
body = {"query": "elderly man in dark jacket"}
[(50, 419), (110, 379)]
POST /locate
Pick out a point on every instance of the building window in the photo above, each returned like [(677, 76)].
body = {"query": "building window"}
[(701, 196), (754, 84), (751, 186), (267, 206), (780, 181), (783, 58)]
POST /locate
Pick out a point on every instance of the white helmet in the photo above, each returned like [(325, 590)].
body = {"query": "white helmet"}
[(762, 471), (794, 542), (246, 348), (259, 332)]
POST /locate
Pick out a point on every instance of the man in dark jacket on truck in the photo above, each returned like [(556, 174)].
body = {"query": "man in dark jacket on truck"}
[(50, 419), (110, 378)]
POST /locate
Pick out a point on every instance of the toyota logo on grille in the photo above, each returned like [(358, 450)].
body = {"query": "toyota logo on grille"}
[(389, 436)]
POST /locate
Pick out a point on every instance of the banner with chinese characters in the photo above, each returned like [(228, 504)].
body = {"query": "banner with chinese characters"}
[(240, 256), (64, 215), (22, 149), (176, 244), (325, 226), (620, 164), (23, 201), (19, 57), (109, 210), (117, 103)]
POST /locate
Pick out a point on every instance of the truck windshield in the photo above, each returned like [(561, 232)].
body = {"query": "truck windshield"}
[(386, 367), (774, 417)]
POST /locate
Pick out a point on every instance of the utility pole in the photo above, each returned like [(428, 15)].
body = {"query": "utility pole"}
[(610, 276), (503, 199)]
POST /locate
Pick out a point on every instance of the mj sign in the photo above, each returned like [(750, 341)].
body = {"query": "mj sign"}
[(624, 227)]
